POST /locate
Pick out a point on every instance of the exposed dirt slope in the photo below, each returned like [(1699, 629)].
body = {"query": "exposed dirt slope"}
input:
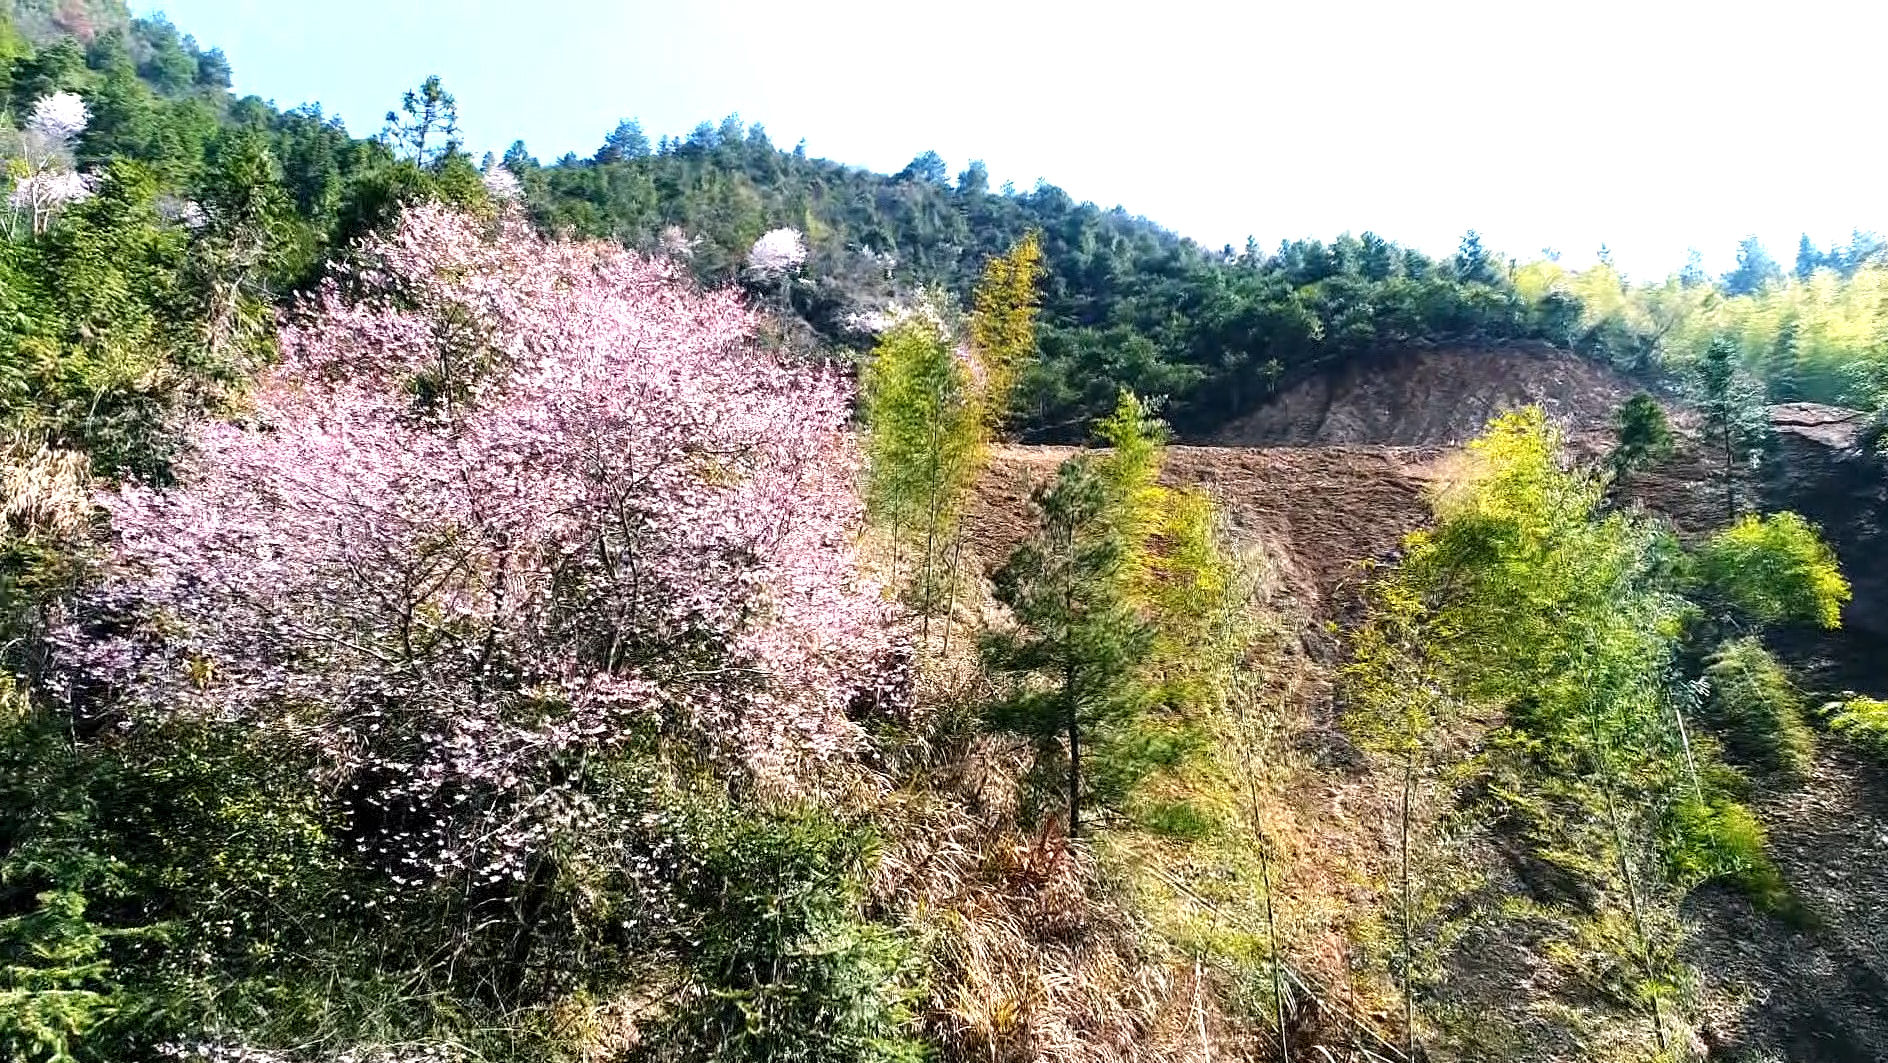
[(1318, 511), (1430, 397), (1815, 993), (1343, 479)]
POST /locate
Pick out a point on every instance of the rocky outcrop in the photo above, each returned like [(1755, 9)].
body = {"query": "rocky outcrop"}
[(1827, 468)]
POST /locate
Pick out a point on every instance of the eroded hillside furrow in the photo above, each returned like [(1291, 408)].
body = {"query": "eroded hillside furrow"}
[(1319, 513)]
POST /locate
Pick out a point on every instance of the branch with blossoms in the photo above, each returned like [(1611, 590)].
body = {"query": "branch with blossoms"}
[(506, 506), (43, 174)]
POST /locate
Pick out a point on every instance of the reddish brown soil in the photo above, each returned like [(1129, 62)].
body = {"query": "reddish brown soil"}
[(1431, 397), (1318, 511)]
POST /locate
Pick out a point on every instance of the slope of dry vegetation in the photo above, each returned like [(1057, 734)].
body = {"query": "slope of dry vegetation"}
[(1771, 985)]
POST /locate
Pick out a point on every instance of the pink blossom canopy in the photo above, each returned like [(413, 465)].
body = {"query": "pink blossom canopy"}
[(505, 502)]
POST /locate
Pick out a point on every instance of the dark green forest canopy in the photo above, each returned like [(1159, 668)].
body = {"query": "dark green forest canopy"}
[(1129, 304), (1126, 303)]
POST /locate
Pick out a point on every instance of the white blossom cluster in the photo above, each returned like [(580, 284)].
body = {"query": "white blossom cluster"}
[(45, 180), (502, 185), (60, 118), (221, 1051), (676, 243), (776, 252), (50, 188), (925, 311)]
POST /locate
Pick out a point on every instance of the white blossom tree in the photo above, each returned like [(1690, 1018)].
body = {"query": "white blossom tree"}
[(777, 256), (43, 172), (777, 252)]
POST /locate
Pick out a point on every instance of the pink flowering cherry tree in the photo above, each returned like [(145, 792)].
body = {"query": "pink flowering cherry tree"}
[(505, 504)]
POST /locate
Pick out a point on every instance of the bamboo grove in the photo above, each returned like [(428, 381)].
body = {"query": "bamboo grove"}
[(1532, 670)]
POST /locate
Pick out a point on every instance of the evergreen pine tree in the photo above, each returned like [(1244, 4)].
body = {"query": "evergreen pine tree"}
[(1078, 647), (1732, 403), (1644, 435)]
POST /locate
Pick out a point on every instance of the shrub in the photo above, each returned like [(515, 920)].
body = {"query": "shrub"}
[(1775, 568), (1754, 702), (782, 967), (1723, 840), (1644, 434), (1862, 722)]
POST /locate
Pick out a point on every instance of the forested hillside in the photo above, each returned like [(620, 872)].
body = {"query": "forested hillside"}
[(620, 611), (1128, 304)]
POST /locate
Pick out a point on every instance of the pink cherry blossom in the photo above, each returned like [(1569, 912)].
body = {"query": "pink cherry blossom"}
[(505, 502), (503, 185)]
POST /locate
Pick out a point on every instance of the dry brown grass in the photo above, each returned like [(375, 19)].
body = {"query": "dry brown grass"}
[(1137, 946)]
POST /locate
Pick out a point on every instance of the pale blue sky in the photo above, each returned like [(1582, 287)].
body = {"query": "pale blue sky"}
[(1651, 125)]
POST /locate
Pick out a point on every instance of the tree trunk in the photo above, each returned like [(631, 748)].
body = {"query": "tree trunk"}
[(950, 605), (1075, 751), (1625, 865), (1409, 985)]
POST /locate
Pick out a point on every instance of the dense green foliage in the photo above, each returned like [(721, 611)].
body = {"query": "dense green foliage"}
[(1643, 435), (1773, 569), (1815, 335), (1127, 304), (1078, 647), (1862, 722), (152, 301), (1756, 705), (1124, 303), (1559, 625)]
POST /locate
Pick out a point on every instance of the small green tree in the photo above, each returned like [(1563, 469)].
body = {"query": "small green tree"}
[(1130, 470), (426, 127), (1528, 595), (1003, 323), (1735, 421), (243, 245), (924, 447), (1644, 435), (1078, 647)]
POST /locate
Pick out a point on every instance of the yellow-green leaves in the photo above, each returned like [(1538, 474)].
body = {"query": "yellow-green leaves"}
[(1863, 722), (1003, 322), (924, 444), (1775, 568), (932, 405), (1755, 704)]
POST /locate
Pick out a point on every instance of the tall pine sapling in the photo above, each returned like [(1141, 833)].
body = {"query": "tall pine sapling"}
[(1078, 647), (1642, 433), (924, 446), (1003, 323), (1735, 421)]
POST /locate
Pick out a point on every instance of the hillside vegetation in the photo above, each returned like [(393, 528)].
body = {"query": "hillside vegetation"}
[(601, 612)]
